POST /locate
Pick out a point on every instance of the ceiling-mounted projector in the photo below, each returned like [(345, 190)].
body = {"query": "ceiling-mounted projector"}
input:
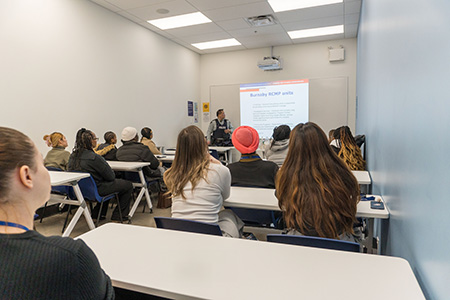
[(270, 63)]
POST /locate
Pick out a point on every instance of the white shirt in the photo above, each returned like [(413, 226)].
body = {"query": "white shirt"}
[(205, 201)]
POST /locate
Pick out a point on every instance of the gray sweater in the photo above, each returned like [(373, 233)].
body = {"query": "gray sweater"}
[(278, 152)]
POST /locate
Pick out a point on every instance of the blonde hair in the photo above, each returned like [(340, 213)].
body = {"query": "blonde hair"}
[(191, 161), (349, 151), (54, 138)]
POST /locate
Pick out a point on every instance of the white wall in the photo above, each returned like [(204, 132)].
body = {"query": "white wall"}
[(404, 109), (67, 64), (300, 61)]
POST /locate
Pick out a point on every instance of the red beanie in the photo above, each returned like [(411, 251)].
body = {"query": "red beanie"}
[(245, 139)]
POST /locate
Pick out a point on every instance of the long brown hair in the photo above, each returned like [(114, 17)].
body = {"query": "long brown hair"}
[(316, 190), (349, 151), (191, 161)]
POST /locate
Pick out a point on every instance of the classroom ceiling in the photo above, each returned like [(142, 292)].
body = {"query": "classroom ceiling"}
[(228, 21)]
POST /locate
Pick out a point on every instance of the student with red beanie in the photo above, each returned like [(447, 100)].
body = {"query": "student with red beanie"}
[(251, 170)]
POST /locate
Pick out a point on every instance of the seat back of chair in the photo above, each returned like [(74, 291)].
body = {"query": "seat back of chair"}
[(311, 241), (214, 153), (187, 225), (89, 190), (255, 217)]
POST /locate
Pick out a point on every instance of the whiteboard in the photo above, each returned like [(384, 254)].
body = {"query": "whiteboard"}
[(328, 102)]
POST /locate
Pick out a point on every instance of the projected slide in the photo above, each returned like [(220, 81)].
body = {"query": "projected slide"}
[(265, 105)]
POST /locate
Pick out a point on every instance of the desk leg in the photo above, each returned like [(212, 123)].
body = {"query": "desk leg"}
[(145, 188), (81, 209), (369, 239)]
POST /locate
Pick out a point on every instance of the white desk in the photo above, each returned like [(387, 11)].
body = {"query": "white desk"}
[(363, 177), (134, 167), (165, 158), (228, 151), (259, 198), (198, 266), (72, 178)]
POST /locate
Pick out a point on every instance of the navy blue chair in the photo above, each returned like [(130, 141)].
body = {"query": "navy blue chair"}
[(311, 241), (214, 153), (89, 190), (255, 217), (187, 225)]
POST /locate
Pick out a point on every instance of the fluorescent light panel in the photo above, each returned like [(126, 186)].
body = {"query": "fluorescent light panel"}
[(216, 44), (180, 21), (299, 34), (285, 5)]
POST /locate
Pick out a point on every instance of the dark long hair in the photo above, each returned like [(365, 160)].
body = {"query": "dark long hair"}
[(190, 163), (349, 151), (316, 190), (16, 150), (83, 142)]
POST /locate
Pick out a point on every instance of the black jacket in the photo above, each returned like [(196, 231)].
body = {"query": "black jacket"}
[(256, 173), (135, 151), (94, 164)]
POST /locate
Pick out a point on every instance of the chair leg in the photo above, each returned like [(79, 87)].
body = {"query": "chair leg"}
[(43, 212), (67, 218), (119, 208), (99, 213)]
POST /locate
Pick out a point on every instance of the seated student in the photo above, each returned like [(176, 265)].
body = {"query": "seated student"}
[(331, 136), (108, 148), (132, 150), (34, 266), (345, 146), (57, 157), (84, 159), (278, 148), (251, 170), (199, 184), (317, 192), (147, 135)]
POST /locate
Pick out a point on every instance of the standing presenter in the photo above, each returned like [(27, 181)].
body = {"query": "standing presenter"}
[(219, 130)]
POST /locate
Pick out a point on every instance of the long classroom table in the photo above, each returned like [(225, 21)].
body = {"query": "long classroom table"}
[(199, 266)]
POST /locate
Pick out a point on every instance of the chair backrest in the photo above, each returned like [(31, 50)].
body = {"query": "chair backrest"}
[(89, 190), (214, 153), (255, 217), (311, 241), (187, 225)]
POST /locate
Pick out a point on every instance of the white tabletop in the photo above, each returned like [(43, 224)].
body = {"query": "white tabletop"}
[(220, 148), (184, 265), (127, 165), (259, 198), (165, 157), (363, 177), (60, 178)]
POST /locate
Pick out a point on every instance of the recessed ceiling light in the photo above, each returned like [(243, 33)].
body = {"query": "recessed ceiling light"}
[(299, 34), (217, 44), (284, 5), (180, 21)]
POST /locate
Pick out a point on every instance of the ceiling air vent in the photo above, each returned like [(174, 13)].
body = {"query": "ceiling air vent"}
[(261, 21)]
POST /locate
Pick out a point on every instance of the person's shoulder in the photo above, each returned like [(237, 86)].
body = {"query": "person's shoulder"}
[(269, 164), (63, 244)]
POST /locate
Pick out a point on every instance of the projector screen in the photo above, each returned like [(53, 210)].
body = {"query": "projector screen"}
[(266, 105)]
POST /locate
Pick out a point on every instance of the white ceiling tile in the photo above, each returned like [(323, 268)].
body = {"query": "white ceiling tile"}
[(225, 49), (319, 38), (189, 46), (310, 13), (315, 23), (258, 31), (233, 24), (176, 7), (107, 5), (214, 4), (266, 40), (206, 37), (351, 19), (129, 4), (130, 17), (241, 11), (195, 30), (352, 7)]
